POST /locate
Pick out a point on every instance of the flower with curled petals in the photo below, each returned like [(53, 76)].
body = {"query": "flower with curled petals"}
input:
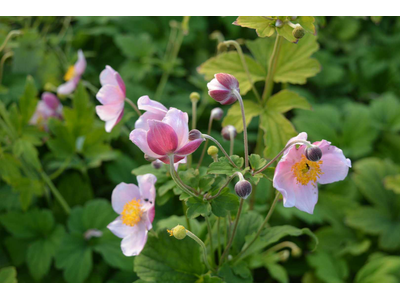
[(296, 177), (135, 206), (73, 75), (112, 97), (222, 88), (166, 138), (46, 108), (154, 111)]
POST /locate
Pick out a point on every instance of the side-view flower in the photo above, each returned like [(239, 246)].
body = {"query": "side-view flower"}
[(48, 106), (73, 75)]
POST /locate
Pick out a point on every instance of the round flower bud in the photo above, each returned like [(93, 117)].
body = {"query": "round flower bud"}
[(194, 97), (228, 132), (278, 23), (298, 32), (223, 88), (195, 134), (313, 153), (217, 113), (149, 158), (284, 255), (212, 151), (293, 18), (222, 47), (157, 164), (179, 232), (243, 189)]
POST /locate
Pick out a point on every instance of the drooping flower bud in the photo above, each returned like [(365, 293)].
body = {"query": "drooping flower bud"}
[(313, 153), (179, 232), (157, 164), (298, 32), (284, 255), (212, 151), (229, 132), (217, 113), (243, 188), (222, 47), (223, 88), (194, 97), (195, 134), (149, 158), (278, 23)]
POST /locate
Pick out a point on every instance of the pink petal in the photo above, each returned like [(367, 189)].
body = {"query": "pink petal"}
[(80, 65), (51, 100), (111, 114), (119, 229), (139, 138), (178, 120), (165, 159), (145, 103), (335, 165), (148, 115), (107, 76), (301, 136), (121, 83), (151, 214), (147, 190), (110, 94), (133, 244), (227, 80), (189, 148), (222, 96), (122, 194), (161, 138), (68, 87), (215, 85)]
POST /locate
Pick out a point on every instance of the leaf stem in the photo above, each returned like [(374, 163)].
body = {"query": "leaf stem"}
[(245, 140), (203, 152), (130, 102), (203, 247), (56, 193), (209, 229), (178, 181)]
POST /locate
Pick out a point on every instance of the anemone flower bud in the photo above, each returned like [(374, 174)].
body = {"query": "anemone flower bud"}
[(243, 188), (195, 134), (278, 23), (228, 132), (217, 113), (149, 158), (179, 232), (157, 164), (222, 88), (313, 153), (212, 151), (194, 97), (298, 32)]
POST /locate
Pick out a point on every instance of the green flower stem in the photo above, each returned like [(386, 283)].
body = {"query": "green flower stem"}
[(242, 58), (94, 90), (203, 247), (2, 61), (8, 37), (194, 114), (178, 181), (203, 152), (280, 153), (287, 244), (232, 143), (219, 238), (209, 229), (222, 149), (226, 251), (184, 207), (61, 169), (269, 81), (245, 141), (222, 187), (260, 228), (56, 193), (130, 102)]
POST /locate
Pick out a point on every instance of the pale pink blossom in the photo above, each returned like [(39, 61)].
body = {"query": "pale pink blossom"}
[(112, 97), (296, 177), (223, 88), (46, 108), (154, 111), (73, 75), (135, 205)]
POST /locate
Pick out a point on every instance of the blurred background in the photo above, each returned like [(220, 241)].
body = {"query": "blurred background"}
[(355, 105)]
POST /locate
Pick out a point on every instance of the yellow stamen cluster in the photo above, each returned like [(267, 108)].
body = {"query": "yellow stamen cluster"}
[(70, 73), (306, 170), (132, 213)]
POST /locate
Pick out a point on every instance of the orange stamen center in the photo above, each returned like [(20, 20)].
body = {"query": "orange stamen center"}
[(306, 170), (132, 213)]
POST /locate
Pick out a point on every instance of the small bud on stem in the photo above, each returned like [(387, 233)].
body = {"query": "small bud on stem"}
[(313, 153)]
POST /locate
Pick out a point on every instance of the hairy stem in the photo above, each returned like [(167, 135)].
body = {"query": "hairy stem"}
[(245, 140), (210, 237), (178, 181), (130, 102)]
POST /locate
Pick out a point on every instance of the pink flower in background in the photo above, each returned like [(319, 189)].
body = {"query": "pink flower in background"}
[(296, 177), (112, 95), (46, 108), (73, 75), (165, 138), (135, 205), (154, 111), (223, 88)]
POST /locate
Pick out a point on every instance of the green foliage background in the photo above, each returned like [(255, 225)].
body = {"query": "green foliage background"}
[(355, 104)]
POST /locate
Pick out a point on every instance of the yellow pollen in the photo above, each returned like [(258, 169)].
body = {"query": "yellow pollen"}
[(70, 73), (306, 170), (132, 213), (170, 232)]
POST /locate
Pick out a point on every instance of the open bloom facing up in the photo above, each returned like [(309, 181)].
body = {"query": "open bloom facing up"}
[(165, 138), (73, 75), (112, 95), (222, 88), (296, 177), (154, 111), (135, 205), (46, 108)]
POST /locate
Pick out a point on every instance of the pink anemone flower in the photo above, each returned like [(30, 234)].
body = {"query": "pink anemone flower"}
[(112, 97), (296, 177), (135, 205), (166, 138), (223, 88), (46, 108), (154, 111), (73, 75)]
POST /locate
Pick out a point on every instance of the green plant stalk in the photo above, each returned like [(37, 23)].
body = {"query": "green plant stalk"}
[(8, 37), (56, 193), (177, 180), (61, 169), (130, 102), (226, 251), (260, 228), (203, 152), (221, 148), (219, 239), (184, 207), (222, 187), (203, 247), (209, 229), (2, 61), (245, 140)]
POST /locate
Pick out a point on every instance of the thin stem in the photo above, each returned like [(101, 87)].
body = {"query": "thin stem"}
[(91, 87), (184, 207), (210, 237), (226, 231), (232, 143), (61, 169), (56, 193), (177, 180), (8, 37), (203, 152), (2, 61), (259, 229), (194, 107), (242, 58), (203, 247), (221, 148), (226, 251), (130, 102), (245, 141), (287, 244), (222, 187), (219, 238), (269, 81), (280, 153)]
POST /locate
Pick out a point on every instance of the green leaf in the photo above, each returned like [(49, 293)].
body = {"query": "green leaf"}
[(286, 31), (392, 183), (229, 62), (234, 115), (75, 188), (197, 207), (380, 269), (8, 275), (278, 272), (385, 112), (329, 268), (224, 167), (238, 273), (166, 259), (28, 101), (257, 162), (287, 100), (263, 26), (172, 221), (62, 144), (25, 149), (248, 225), (207, 278), (224, 203), (135, 46)]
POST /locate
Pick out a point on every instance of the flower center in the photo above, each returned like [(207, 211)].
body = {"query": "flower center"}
[(306, 170), (132, 213), (70, 73)]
